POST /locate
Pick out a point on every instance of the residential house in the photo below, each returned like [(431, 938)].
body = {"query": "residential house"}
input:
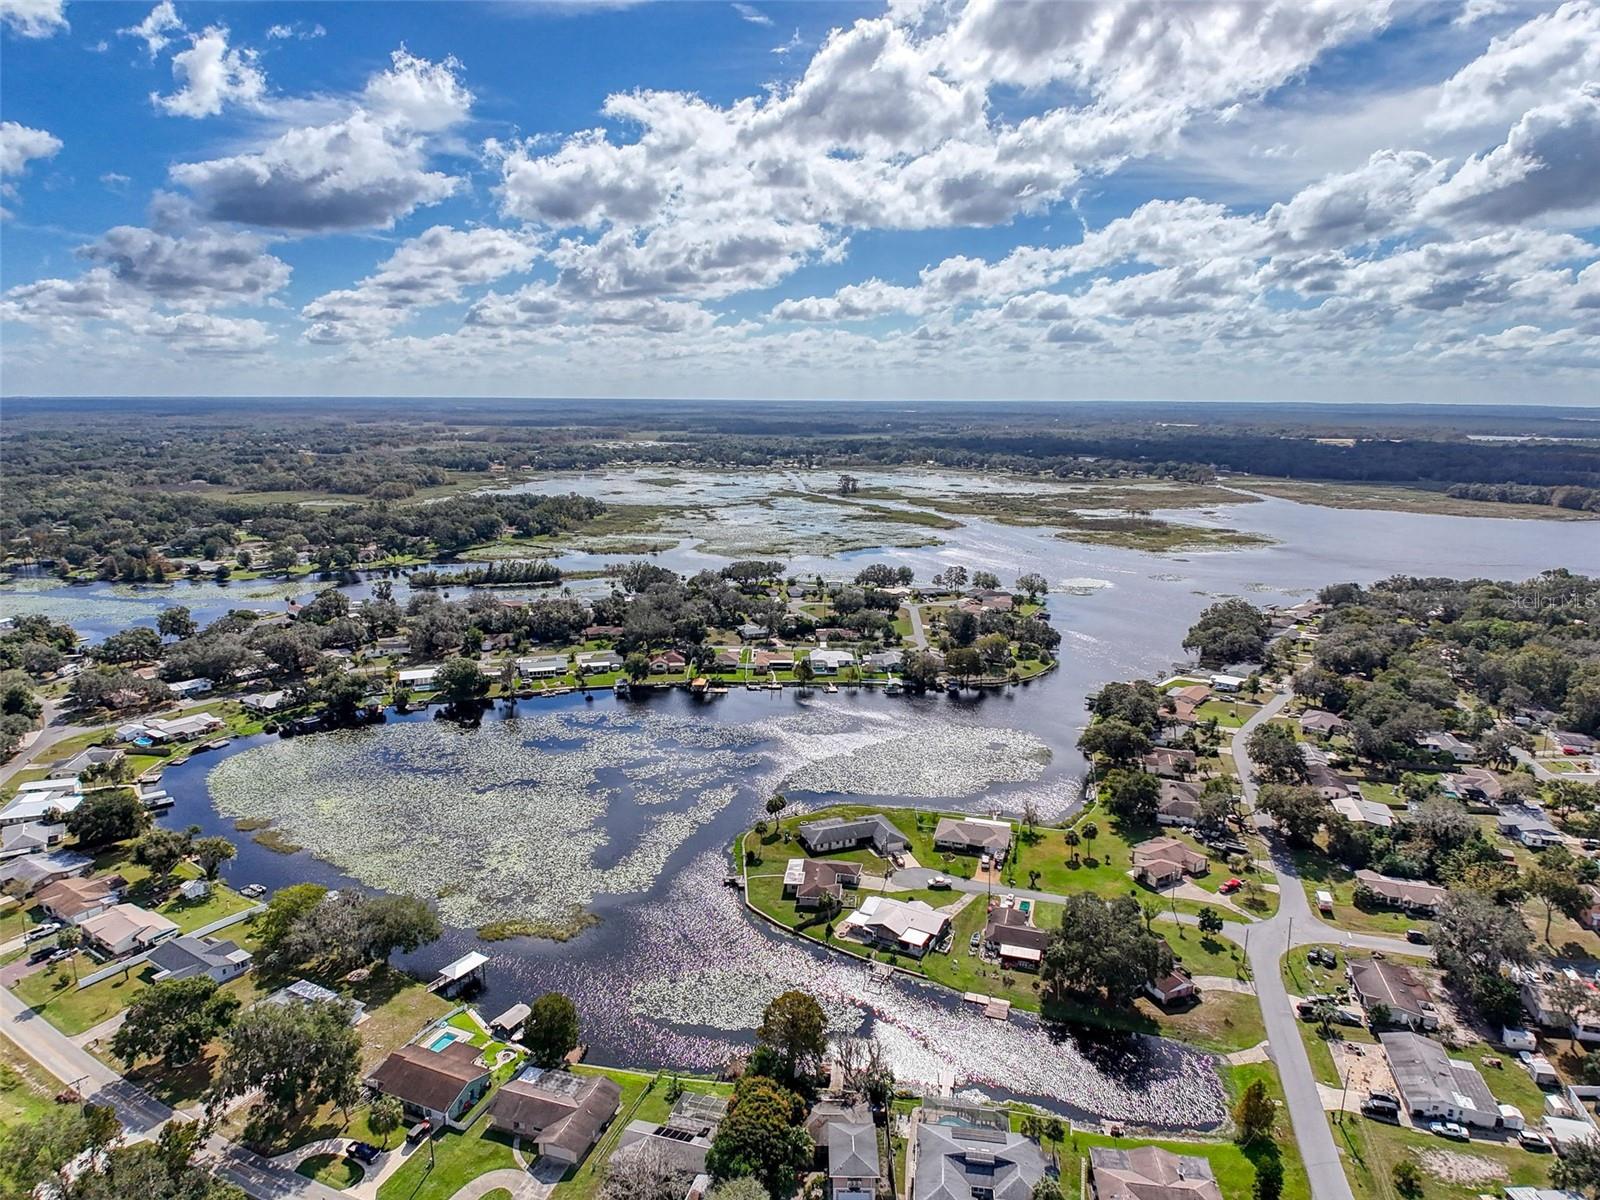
[(973, 835), (1314, 722), (1016, 942), (1171, 762), (42, 799), (188, 957), (772, 660), (751, 632), (265, 703), (885, 661), (1163, 861), (1186, 700), (839, 833), (1227, 683), (1442, 741), (1473, 785), (1412, 895), (1589, 918), (853, 1165), (666, 664), (1175, 987), (682, 1140), (1150, 1173), (440, 1086), (31, 837), (421, 678), (94, 756), (305, 993), (561, 1113), (597, 632), (190, 687), (75, 899), (542, 666), (1569, 742), (1528, 826), (811, 881), (1546, 993), (824, 1113), (728, 660), (830, 662), (1179, 803), (127, 929), (178, 729), (1360, 811), (912, 927), (1433, 1086), (1326, 782), (1397, 988), (959, 1162)]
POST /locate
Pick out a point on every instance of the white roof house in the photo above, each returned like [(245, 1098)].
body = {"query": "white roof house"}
[(190, 687), (829, 662), (543, 666), (910, 926), (417, 676), (31, 805), (1360, 811)]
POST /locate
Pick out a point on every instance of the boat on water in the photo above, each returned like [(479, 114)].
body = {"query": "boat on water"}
[(893, 688), (719, 691), (699, 684), (621, 688), (831, 688)]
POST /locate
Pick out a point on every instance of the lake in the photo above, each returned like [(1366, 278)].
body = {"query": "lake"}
[(626, 808)]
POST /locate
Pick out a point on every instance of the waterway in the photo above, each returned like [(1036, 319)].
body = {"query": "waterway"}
[(625, 808)]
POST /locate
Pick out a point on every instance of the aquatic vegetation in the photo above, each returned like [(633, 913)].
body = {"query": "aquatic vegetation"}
[(708, 966)]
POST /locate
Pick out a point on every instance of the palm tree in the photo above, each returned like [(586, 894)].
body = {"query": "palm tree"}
[(71, 937), (384, 1117), (1072, 839), (1090, 832)]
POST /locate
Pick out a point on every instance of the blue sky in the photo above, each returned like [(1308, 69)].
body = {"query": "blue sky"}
[(940, 198)]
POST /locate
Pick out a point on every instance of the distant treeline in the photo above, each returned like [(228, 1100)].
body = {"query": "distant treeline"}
[(1580, 498), (536, 571)]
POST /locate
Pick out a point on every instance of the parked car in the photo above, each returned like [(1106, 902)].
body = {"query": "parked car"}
[(363, 1152), (418, 1132), (42, 931), (1419, 936), (42, 953), (1387, 1098), (60, 956), (1380, 1112), (1450, 1129), (1229, 886), (1532, 1139), (939, 881)]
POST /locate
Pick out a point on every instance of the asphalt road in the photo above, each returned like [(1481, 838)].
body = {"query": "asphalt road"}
[(140, 1113)]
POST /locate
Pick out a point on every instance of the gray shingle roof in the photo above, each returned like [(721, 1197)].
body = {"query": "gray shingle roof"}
[(952, 1160), (852, 1150)]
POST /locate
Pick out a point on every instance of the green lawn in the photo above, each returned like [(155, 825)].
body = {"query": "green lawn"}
[(1229, 714), (334, 1170), (1370, 1150), (1318, 872), (26, 1090), (1234, 1168), (52, 994), (457, 1159), (641, 1094)]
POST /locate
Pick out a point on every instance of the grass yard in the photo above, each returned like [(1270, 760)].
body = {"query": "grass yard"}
[(1228, 714), (641, 1095), (456, 1160), (1234, 1167), (334, 1170), (52, 994), (1318, 872), (1371, 1149), (26, 1090)]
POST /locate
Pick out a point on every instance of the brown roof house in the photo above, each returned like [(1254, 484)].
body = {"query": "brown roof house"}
[(440, 1085), (1163, 861), (810, 881), (1412, 895), (1179, 803), (973, 835), (562, 1113), (1017, 943), (1397, 988), (1171, 761), (1151, 1173), (77, 900), (1175, 987), (127, 929)]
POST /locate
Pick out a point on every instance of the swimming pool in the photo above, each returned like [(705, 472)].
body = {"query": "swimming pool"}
[(442, 1039)]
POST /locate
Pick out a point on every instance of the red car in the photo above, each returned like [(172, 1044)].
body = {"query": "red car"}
[(1230, 886)]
